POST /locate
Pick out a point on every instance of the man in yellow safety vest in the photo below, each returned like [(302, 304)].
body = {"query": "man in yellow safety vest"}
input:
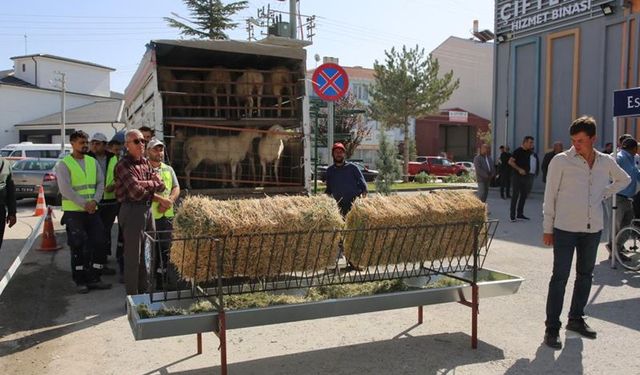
[(108, 205), (81, 184), (162, 208)]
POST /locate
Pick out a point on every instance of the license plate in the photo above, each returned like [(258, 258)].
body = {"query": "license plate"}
[(25, 189)]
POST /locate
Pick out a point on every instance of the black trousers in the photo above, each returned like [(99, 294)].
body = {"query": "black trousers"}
[(505, 183), (134, 220), (521, 188), (85, 237), (108, 213), (3, 222)]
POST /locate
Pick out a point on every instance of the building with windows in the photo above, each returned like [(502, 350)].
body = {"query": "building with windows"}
[(30, 99), (557, 60)]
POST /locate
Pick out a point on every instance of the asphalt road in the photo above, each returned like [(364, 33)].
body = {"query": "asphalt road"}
[(46, 328)]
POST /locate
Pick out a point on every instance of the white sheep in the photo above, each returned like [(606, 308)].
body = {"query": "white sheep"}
[(218, 150), (216, 81), (281, 82), (250, 83), (270, 150)]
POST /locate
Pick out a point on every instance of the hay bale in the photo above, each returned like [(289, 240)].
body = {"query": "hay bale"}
[(255, 236), (391, 229)]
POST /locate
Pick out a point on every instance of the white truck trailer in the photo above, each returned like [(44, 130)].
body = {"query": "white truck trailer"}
[(234, 115)]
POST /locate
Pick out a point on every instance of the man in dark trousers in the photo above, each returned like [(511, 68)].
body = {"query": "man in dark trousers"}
[(7, 198), (137, 184), (505, 172), (578, 180), (107, 207), (522, 178), (162, 209), (557, 148), (81, 184), (345, 182), (485, 170)]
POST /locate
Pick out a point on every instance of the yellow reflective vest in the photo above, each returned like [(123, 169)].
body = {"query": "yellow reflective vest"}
[(110, 173), (165, 174), (82, 182)]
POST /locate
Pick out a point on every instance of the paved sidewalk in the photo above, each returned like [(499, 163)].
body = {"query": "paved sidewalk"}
[(46, 328)]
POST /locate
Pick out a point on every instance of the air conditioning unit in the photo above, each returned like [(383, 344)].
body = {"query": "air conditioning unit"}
[(282, 29)]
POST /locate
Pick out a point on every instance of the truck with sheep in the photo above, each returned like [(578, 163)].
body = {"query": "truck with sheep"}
[(234, 115)]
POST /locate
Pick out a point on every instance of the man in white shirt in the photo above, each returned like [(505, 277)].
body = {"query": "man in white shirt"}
[(577, 182)]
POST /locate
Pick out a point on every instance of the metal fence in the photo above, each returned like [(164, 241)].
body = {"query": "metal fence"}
[(215, 266)]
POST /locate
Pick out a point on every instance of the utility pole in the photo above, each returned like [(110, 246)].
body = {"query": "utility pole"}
[(292, 18), (25, 44), (62, 81)]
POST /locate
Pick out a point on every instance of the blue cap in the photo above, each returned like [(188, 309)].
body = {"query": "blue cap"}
[(119, 137)]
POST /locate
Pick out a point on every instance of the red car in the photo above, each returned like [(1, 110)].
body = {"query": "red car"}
[(435, 165)]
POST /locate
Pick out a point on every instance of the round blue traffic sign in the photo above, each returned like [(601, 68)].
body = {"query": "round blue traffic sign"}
[(330, 82)]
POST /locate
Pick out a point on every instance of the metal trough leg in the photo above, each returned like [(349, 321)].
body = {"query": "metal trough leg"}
[(419, 314), (222, 335), (474, 316)]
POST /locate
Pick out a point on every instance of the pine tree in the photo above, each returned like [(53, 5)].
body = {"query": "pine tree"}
[(212, 18), (387, 165), (407, 86)]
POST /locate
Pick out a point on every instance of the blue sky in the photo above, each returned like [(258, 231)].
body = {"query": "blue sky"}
[(114, 32)]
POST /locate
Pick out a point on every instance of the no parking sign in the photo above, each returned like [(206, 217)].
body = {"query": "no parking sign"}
[(330, 82)]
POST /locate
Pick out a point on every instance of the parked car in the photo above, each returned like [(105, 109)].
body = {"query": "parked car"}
[(29, 174), (435, 165), (369, 174), (467, 164), (23, 150)]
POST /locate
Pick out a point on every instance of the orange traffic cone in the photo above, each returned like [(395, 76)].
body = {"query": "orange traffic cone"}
[(48, 236), (41, 204)]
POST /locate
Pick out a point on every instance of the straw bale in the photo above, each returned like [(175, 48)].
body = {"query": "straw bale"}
[(393, 229), (256, 237)]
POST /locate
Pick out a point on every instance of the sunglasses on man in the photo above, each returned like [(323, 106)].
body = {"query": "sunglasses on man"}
[(138, 141)]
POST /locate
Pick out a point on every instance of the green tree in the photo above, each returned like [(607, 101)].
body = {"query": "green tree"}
[(350, 125), (387, 165), (211, 18), (407, 86)]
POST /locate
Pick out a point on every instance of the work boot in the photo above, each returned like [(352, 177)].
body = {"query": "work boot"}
[(82, 289), (581, 327), (552, 339)]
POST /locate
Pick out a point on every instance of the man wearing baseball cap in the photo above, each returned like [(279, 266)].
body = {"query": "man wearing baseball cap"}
[(345, 182), (162, 209), (108, 206)]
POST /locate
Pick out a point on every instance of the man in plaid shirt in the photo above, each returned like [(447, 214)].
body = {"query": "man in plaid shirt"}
[(137, 185)]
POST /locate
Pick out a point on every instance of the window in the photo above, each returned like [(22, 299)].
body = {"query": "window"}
[(436, 161), (5, 153), (18, 166), (24, 68), (42, 153)]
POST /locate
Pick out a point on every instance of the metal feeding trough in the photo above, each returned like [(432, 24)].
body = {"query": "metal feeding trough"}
[(451, 276)]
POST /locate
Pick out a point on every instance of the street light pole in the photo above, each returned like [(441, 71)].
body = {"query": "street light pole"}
[(63, 82)]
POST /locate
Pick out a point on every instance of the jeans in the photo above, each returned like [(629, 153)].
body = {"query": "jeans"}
[(586, 248), (85, 239), (521, 188), (483, 190)]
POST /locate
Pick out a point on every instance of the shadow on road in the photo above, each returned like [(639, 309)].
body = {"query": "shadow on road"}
[(38, 298), (568, 362), (408, 355)]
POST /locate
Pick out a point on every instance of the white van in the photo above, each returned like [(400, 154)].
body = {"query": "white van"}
[(23, 150)]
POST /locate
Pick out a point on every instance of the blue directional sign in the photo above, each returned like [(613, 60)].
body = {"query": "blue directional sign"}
[(330, 82), (626, 102)]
